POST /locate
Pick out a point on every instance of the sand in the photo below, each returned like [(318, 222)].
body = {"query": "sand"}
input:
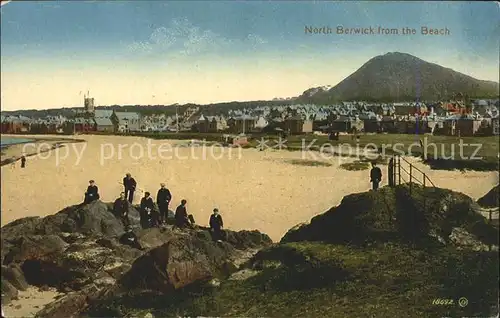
[(32, 148), (29, 302), (256, 190)]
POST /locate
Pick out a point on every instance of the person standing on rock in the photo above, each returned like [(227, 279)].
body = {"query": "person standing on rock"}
[(163, 200), (181, 216), (375, 176), (120, 209), (92, 193), (147, 206), (216, 225), (130, 184)]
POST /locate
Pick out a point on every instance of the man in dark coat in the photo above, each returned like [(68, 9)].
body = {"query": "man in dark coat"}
[(120, 209), (163, 199), (181, 216), (23, 161), (375, 176), (130, 239), (130, 184), (147, 206), (216, 225), (92, 193)]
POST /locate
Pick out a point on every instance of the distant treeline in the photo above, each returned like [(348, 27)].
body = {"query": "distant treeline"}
[(209, 109)]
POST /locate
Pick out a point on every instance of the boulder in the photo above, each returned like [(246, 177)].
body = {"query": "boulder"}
[(154, 237), (491, 199), (15, 276), (9, 292), (181, 261), (415, 214), (247, 239), (189, 256), (71, 304), (35, 247), (94, 218), (465, 240)]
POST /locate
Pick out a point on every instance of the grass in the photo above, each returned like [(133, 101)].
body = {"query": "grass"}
[(442, 152), (355, 166), (309, 163), (326, 280)]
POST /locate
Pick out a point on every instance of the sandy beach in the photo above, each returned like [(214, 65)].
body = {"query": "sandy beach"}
[(252, 189), (29, 302)]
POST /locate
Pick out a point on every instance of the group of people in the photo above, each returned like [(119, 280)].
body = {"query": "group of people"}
[(149, 215)]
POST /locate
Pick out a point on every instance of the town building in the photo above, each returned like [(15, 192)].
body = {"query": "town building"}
[(243, 124), (15, 124), (495, 128), (127, 122), (104, 125), (206, 124)]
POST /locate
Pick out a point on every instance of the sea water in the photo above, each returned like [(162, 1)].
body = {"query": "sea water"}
[(8, 141)]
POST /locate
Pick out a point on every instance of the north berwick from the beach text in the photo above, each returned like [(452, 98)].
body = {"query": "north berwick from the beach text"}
[(376, 30)]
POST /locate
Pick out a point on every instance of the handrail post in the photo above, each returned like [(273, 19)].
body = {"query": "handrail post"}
[(399, 169), (393, 171), (424, 178), (410, 177)]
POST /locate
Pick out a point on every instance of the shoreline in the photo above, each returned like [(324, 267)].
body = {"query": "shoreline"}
[(12, 153)]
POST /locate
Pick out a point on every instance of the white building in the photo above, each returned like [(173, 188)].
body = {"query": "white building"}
[(261, 123), (128, 121)]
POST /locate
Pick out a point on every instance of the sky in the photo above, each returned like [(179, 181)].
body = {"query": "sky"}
[(165, 52)]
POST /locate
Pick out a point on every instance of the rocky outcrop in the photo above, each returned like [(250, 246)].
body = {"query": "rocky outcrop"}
[(78, 251), (398, 214), (491, 199), (189, 257), (357, 251), (94, 218)]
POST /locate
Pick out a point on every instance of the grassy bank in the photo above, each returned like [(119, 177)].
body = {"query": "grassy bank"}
[(323, 280)]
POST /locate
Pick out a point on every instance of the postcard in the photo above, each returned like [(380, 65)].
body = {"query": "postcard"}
[(249, 158)]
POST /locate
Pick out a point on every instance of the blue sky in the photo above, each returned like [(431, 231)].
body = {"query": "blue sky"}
[(156, 52)]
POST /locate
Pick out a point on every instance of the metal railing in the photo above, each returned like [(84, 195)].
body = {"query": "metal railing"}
[(413, 174), (417, 176)]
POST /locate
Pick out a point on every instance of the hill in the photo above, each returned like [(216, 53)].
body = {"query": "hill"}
[(401, 77)]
